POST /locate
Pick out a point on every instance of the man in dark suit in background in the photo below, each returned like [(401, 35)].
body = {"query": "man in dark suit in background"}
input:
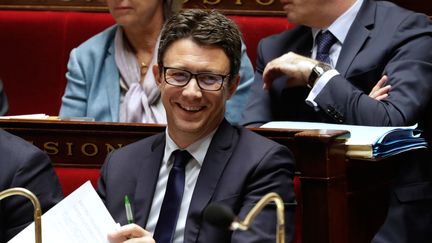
[(197, 71), (3, 100), (24, 165), (356, 43)]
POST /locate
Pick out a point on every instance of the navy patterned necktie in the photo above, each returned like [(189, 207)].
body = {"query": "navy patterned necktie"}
[(166, 224), (324, 40)]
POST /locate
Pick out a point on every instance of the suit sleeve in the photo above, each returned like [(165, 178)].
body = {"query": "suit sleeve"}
[(32, 169), (74, 100), (258, 108), (237, 103), (409, 70)]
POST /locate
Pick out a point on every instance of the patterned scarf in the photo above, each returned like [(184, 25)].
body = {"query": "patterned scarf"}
[(141, 102)]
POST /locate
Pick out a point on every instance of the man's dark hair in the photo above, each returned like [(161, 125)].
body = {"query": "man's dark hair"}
[(204, 27)]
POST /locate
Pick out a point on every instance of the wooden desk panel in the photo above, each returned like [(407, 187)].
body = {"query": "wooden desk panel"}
[(338, 203)]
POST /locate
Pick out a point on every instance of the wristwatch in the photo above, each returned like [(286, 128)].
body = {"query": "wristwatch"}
[(317, 71)]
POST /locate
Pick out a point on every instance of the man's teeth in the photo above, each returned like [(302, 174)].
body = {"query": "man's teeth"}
[(192, 108)]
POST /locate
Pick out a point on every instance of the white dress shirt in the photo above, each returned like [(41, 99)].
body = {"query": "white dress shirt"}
[(198, 150)]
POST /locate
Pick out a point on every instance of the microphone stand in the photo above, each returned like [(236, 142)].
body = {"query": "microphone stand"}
[(272, 196), (36, 205)]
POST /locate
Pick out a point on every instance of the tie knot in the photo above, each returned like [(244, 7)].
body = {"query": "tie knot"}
[(325, 41), (181, 158)]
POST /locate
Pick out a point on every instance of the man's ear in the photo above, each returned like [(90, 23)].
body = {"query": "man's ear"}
[(233, 87), (158, 78)]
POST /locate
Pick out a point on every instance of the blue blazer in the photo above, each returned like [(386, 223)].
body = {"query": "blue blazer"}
[(383, 39), (240, 167), (93, 88), (24, 165)]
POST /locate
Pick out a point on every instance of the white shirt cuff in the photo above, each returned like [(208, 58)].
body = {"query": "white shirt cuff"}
[(319, 85)]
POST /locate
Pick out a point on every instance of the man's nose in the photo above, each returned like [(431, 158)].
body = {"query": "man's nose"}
[(192, 88)]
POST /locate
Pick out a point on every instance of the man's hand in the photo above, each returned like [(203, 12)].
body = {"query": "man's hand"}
[(379, 91), (297, 68), (131, 233)]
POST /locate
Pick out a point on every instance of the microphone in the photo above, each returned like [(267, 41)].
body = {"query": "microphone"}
[(222, 216)]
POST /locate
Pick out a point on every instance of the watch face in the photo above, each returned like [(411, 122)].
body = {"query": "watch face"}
[(319, 70)]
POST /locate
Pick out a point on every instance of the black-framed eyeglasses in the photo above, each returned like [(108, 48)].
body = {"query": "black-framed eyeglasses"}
[(206, 80)]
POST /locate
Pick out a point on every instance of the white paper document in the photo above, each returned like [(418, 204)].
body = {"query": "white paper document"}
[(27, 116), (81, 217)]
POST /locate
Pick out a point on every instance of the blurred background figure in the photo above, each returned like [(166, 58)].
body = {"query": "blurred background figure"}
[(24, 165), (323, 70)]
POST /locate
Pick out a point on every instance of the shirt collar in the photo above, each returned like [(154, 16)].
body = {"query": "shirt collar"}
[(339, 27), (198, 149)]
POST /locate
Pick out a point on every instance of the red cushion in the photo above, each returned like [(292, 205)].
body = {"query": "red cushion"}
[(71, 178), (30, 60), (254, 28), (34, 51)]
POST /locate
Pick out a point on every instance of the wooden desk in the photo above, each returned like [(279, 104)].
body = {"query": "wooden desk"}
[(343, 200)]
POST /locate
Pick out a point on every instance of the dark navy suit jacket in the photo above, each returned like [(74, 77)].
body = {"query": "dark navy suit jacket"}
[(24, 165), (383, 39), (3, 100), (240, 167)]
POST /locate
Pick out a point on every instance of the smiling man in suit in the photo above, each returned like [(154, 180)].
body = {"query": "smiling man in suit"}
[(323, 71), (197, 72)]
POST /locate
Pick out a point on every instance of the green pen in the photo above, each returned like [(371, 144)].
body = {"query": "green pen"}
[(128, 208)]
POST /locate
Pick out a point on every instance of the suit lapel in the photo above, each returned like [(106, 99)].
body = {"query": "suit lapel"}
[(304, 43), (216, 159), (357, 36), (146, 183)]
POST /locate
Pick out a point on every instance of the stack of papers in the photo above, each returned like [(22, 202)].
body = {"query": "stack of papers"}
[(40, 116), (366, 141)]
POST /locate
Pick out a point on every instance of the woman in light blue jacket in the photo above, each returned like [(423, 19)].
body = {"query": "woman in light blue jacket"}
[(110, 77)]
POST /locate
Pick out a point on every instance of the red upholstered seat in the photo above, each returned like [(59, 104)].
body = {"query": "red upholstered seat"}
[(71, 178), (30, 60), (34, 50), (254, 28)]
